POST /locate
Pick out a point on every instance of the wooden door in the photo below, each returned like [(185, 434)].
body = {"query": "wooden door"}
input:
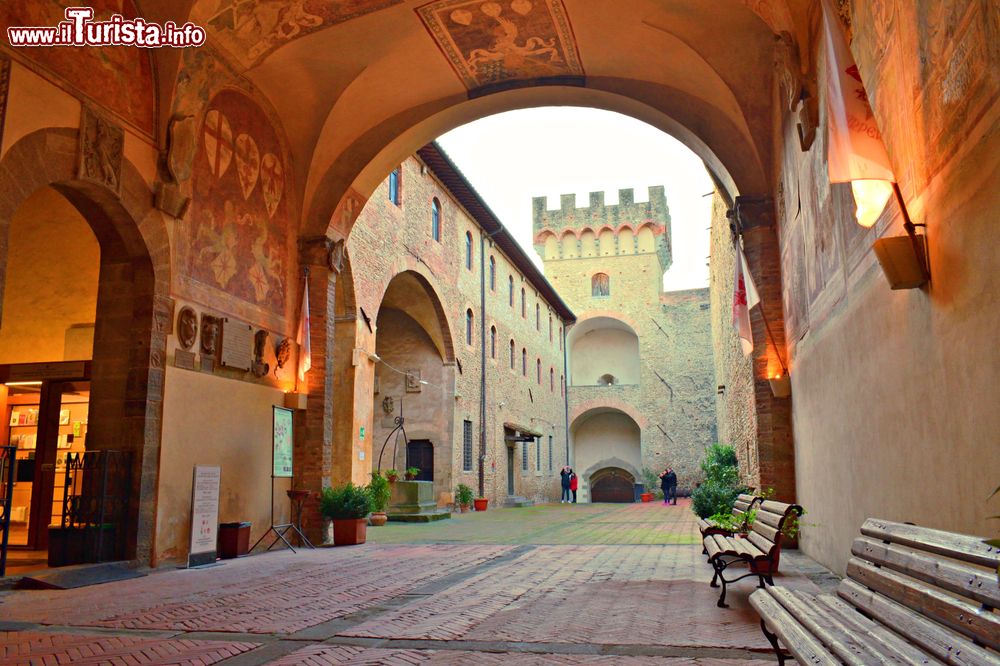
[(613, 487), (420, 454)]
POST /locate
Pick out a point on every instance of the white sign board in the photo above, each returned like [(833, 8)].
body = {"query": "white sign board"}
[(204, 514)]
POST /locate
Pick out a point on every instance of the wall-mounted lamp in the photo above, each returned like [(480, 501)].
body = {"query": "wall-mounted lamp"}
[(781, 385), (294, 400), (903, 260)]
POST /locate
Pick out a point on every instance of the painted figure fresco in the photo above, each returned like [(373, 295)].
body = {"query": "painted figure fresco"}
[(240, 231)]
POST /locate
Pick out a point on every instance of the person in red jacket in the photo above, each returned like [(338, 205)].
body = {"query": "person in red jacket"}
[(573, 483)]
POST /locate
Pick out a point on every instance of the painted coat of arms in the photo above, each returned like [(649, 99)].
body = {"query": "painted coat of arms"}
[(493, 42)]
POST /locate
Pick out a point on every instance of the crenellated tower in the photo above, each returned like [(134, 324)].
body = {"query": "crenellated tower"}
[(629, 242)]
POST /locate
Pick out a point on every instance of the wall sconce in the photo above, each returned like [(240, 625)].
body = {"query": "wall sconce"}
[(781, 385), (295, 400), (903, 260)]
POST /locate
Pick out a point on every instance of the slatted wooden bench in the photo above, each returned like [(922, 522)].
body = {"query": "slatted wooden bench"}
[(743, 504), (760, 550), (912, 595)]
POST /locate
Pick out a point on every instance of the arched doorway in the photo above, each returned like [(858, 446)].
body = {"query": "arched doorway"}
[(612, 484), (92, 346)]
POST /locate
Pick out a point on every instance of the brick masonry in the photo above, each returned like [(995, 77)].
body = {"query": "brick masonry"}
[(672, 396)]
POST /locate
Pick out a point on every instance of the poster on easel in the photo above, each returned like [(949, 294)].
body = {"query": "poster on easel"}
[(282, 441), (204, 515)]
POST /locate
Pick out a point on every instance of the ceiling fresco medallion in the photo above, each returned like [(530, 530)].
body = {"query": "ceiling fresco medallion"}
[(493, 42)]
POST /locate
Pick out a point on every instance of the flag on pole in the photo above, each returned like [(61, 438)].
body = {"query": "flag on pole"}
[(856, 153), (744, 298), (302, 338)]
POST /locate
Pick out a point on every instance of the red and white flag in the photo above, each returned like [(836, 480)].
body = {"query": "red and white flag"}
[(302, 338), (856, 154), (744, 298)]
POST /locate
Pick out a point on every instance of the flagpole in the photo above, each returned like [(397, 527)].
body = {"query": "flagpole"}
[(302, 307)]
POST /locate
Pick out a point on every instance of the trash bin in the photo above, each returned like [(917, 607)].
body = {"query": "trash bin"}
[(234, 539), (640, 488)]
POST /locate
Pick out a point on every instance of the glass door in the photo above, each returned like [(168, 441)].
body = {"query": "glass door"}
[(21, 431)]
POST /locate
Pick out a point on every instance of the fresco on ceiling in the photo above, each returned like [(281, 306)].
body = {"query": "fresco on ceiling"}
[(493, 42), (250, 30), (240, 220), (119, 79)]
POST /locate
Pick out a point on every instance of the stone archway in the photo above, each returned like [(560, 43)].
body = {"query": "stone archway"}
[(133, 305)]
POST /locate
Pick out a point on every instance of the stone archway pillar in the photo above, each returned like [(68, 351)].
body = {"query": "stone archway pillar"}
[(320, 257), (775, 447)]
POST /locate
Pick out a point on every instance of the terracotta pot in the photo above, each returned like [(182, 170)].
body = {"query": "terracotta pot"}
[(297, 495), (349, 532), (464, 508), (378, 518), (646, 497), (409, 477), (481, 503), (391, 477)]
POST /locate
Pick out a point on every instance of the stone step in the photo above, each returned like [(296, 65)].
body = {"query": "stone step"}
[(516, 501)]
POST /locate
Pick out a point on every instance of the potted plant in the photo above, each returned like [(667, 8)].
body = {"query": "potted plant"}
[(480, 503), (348, 507), (391, 475), (380, 492), (412, 473), (463, 497), (646, 497)]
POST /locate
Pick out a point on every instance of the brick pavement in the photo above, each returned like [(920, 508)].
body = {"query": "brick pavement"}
[(596, 601)]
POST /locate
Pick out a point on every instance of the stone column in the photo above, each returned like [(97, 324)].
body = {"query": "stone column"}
[(775, 448), (314, 428)]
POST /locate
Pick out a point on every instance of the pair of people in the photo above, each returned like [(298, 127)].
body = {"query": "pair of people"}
[(569, 485), (668, 482)]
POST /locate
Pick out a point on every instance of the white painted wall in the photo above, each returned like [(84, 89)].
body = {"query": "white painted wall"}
[(607, 440)]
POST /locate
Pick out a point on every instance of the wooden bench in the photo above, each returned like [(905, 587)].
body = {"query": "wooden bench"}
[(760, 550), (912, 596), (744, 503)]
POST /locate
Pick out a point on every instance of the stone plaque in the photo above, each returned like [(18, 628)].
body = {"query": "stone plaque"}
[(237, 344), (184, 359)]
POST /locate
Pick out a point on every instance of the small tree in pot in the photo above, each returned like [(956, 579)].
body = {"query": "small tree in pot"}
[(380, 492), (463, 497), (411, 473), (348, 507)]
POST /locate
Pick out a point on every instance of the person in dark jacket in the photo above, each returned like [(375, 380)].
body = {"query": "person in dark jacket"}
[(565, 473), (668, 482)]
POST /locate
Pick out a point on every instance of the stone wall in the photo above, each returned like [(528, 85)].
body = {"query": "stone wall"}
[(673, 400), (387, 240)]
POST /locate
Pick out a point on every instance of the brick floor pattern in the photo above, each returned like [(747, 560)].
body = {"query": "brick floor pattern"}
[(322, 655), (31, 648)]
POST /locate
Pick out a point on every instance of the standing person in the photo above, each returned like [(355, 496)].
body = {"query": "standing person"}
[(668, 482), (573, 483), (564, 474)]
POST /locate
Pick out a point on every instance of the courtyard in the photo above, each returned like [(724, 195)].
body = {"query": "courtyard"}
[(566, 584)]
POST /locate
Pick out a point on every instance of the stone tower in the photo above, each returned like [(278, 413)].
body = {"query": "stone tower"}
[(641, 380)]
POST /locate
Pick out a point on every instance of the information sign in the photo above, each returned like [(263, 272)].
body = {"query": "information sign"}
[(204, 514), (283, 440)]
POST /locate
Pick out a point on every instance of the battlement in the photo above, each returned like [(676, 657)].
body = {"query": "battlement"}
[(601, 230)]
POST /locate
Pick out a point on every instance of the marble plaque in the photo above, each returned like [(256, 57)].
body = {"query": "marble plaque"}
[(237, 344)]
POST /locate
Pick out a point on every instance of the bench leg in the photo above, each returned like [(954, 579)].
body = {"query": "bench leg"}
[(715, 577), (773, 640), (721, 603)]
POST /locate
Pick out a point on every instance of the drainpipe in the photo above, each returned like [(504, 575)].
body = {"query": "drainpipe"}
[(482, 362), (565, 388)]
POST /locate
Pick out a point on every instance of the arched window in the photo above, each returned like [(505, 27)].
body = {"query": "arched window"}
[(510, 289), (538, 371), (552, 380), (468, 327), (493, 342), (394, 182), (436, 219), (607, 380), (562, 386), (493, 274), (511, 354), (538, 317), (524, 362), (600, 285), (550, 328), (524, 305), (468, 250), (560, 338)]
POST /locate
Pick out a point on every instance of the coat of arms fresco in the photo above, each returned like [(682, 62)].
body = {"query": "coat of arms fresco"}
[(239, 237), (493, 42)]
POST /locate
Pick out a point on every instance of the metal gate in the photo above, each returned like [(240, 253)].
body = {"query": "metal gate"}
[(95, 508)]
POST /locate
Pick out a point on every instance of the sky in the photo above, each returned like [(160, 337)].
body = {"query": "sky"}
[(514, 156)]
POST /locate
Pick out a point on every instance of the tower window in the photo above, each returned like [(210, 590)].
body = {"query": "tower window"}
[(436, 219), (600, 285), (468, 326), (468, 250), (538, 317), (510, 289), (493, 342), (394, 184), (511, 354), (524, 305), (493, 274), (524, 362)]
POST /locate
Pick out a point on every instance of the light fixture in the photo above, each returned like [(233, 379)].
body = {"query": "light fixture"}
[(23, 383), (870, 198), (295, 400), (903, 260), (781, 385)]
